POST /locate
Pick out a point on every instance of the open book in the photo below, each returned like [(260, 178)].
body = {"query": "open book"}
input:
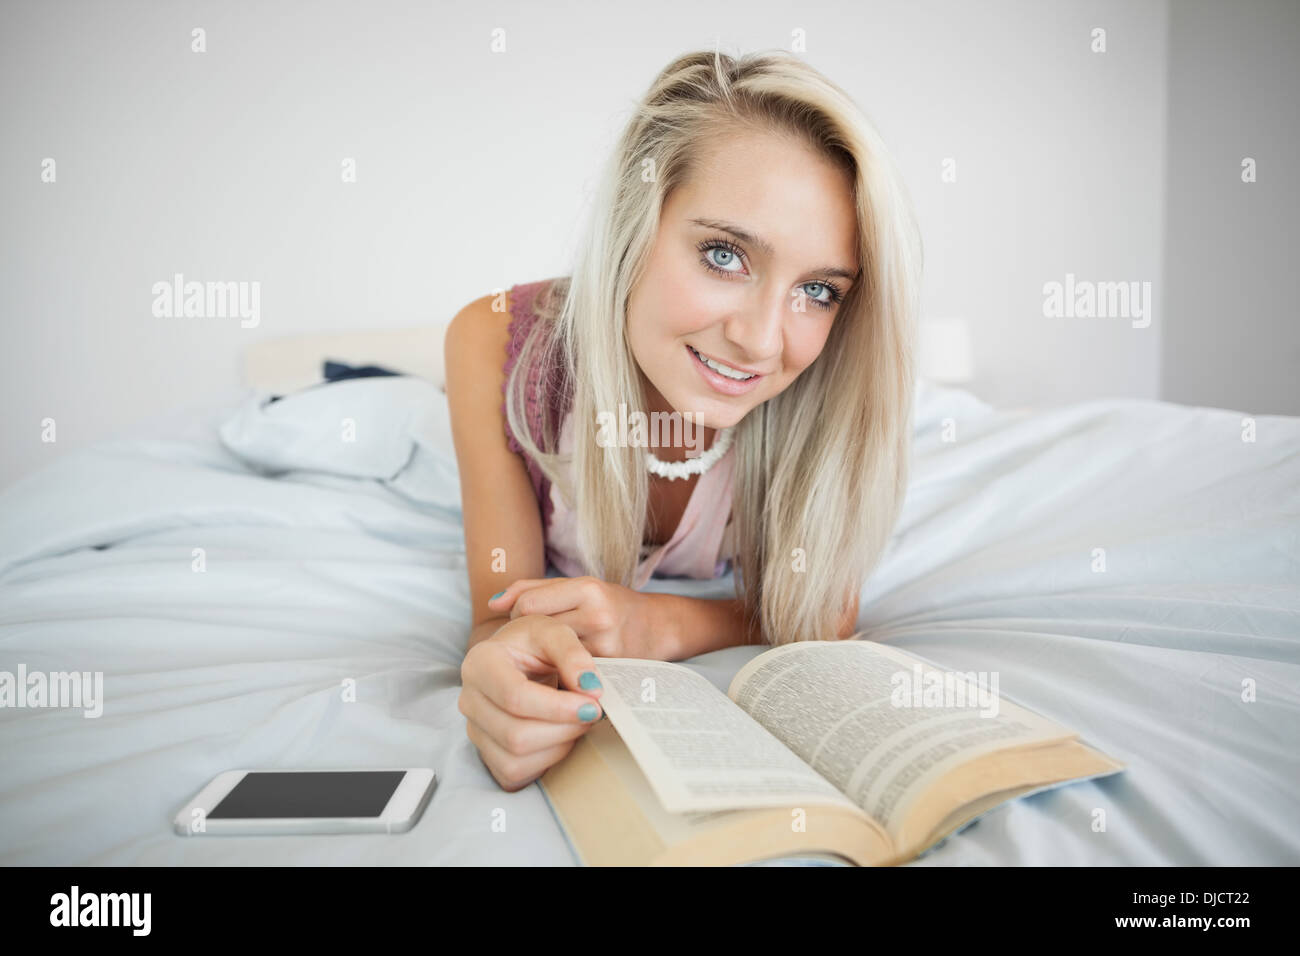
[(851, 749)]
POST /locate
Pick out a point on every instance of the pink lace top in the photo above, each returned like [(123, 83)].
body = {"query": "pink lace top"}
[(697, 548)]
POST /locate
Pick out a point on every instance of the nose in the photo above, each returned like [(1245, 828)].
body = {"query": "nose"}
[(756, 330)]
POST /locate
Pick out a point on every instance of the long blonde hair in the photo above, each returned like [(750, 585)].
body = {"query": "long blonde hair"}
[(821, 469)]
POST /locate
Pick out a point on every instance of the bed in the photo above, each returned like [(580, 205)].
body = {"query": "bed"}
[(1131, 568)]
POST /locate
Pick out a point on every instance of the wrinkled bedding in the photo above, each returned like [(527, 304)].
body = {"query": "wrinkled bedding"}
[(1131, 569)]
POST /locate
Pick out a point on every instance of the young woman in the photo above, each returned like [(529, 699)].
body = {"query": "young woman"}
[(752, 266)]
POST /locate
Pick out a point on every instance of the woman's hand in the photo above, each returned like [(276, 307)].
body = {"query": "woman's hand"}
[(517, 713), (611, 620)]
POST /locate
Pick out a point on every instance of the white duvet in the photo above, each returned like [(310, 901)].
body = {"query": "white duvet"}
[(1131, 569)]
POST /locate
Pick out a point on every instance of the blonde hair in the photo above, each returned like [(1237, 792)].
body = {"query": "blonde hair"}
[(821, 469)]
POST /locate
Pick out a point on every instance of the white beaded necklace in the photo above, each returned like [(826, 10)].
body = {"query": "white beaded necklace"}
[(673, 470)]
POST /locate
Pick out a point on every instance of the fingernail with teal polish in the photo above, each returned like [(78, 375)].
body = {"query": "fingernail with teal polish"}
[(497, 595), (587, 712), (588, 680)]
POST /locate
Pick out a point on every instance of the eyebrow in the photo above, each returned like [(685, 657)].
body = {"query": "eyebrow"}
[(766, 247)]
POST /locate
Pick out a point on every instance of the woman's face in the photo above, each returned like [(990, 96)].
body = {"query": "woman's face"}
[(760, 304)]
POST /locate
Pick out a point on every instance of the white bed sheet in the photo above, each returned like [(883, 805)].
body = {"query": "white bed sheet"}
[(312, 579)]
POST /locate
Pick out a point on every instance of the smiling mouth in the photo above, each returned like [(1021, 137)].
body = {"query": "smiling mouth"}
[(726, 371)]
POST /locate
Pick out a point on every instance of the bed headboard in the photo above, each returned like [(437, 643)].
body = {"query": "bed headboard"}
[(293, 362)]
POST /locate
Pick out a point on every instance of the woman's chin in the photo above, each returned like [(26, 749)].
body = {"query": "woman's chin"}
[(719, 422), (710, 409), (710, 415)]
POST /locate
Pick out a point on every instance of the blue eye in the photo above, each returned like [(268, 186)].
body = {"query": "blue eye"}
[(727, 257), (835, 297), (731, 252)]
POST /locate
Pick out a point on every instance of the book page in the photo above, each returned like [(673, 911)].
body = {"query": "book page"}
[(858, 713), (696, 747)]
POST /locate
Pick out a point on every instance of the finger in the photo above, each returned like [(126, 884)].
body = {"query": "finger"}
[(578, 620), (568, 655), (601, 642), (561, 594), (517, 736), (551, 680), (513, 772), (504, 599), (543, 648), (495, 672)]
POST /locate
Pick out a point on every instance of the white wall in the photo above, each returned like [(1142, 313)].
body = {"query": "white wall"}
[(474, 172)]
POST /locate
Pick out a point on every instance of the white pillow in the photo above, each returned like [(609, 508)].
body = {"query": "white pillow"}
[(393, 429)]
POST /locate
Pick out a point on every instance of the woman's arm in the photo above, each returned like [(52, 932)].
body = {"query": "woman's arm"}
[(693, 626), (616, 621), (497, 500), (529, 688)]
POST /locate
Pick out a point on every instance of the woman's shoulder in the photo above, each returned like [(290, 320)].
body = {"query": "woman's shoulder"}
[(494, 324), (529, 301)]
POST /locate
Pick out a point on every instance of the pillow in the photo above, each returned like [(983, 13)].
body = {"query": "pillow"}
[(395, 429)]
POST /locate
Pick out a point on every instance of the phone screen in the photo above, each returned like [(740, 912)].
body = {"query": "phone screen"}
[(326, 793)]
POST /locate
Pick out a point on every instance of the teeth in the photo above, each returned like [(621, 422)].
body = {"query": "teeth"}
[(724, 370)]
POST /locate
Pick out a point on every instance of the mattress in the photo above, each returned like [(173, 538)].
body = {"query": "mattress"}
[(1130, 568)]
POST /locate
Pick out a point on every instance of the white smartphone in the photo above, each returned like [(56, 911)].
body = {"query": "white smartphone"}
[(267, 802)]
